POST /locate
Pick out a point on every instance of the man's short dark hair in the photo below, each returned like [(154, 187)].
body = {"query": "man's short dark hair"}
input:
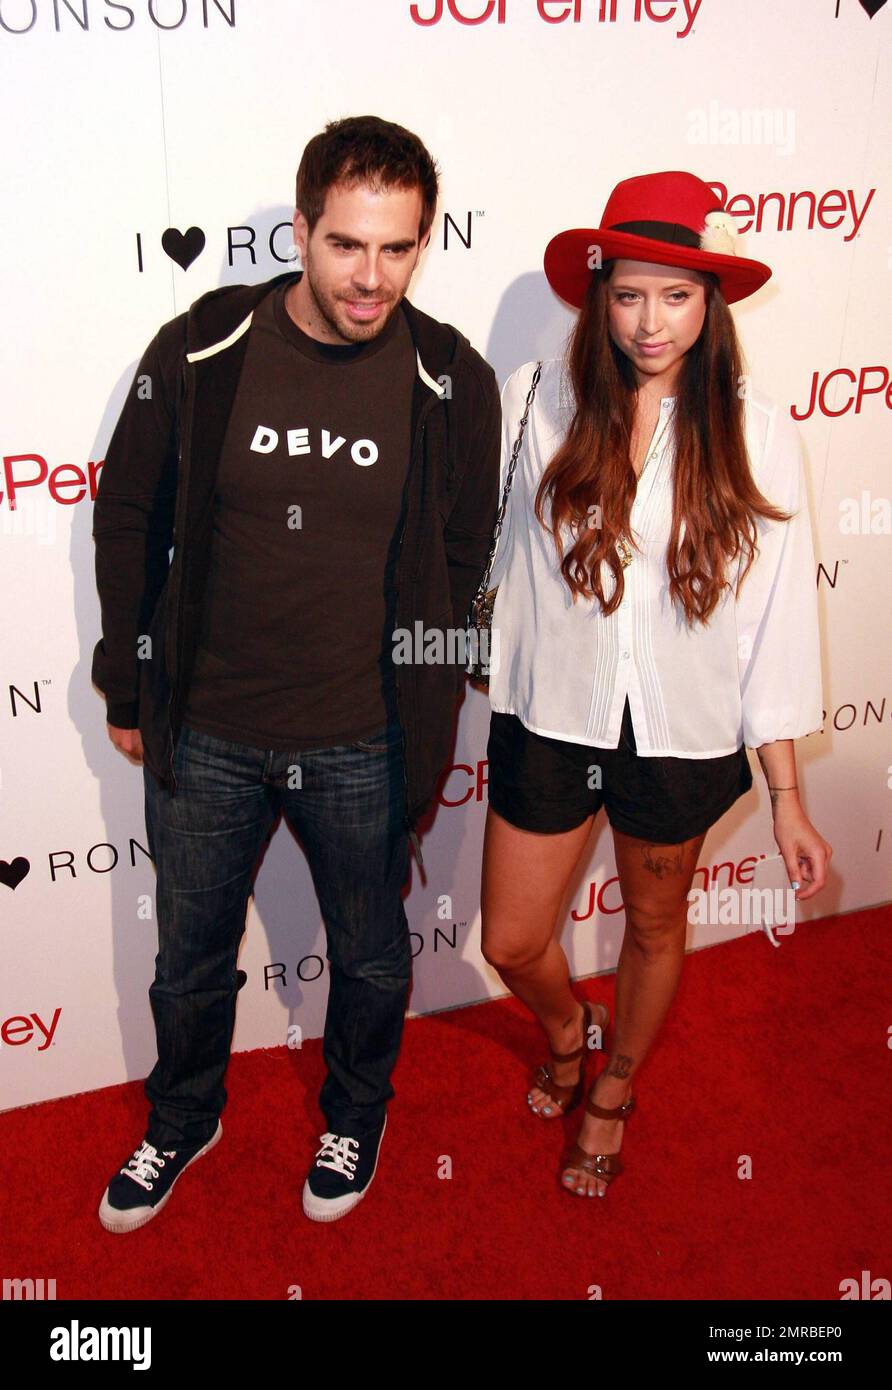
[(365, 150)]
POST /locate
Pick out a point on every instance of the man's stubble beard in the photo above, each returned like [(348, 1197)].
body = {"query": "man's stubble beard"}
[(353, 332)]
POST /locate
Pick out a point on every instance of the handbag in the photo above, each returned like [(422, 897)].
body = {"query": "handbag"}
[(478, 633)]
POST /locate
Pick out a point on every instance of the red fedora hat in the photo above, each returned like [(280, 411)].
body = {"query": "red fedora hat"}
[(672, 218)]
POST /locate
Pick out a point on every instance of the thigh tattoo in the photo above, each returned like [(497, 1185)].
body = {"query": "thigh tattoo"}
[(669, 861)]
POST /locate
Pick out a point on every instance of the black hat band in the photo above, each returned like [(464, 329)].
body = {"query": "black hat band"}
[(674, 233)]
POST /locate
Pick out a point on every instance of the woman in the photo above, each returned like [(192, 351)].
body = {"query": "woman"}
[(656, 614)]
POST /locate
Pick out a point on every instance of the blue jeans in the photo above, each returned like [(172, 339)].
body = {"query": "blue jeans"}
[(346, 805)]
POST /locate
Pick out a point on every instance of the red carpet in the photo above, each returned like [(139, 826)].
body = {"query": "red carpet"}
[(779, 1054)]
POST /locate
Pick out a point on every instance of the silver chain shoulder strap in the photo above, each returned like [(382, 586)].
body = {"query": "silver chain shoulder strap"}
[(497, 530)]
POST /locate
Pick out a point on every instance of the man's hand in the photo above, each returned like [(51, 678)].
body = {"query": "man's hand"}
[(127, 741)]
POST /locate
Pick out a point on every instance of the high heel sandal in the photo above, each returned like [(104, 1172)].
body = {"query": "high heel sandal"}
[(603, 1166), (566, 1098)]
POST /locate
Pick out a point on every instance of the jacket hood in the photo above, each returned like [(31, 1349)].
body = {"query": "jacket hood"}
[(220, 317)]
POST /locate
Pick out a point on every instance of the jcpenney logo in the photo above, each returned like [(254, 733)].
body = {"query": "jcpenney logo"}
[(844, 391), (803, 209), (21, 1029), (679, 14), (65, 485)]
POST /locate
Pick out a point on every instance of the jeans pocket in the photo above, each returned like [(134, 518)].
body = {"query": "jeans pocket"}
[(381, 741)]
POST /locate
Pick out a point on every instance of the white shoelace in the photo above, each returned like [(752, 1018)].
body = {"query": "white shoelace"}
[(145, 1164), (335, 1153)]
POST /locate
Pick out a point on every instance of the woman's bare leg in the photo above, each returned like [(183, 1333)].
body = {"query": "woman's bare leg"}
[(654, 881), (525, 877)]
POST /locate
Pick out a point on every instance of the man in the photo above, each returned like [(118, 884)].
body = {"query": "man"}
[(324, 460)]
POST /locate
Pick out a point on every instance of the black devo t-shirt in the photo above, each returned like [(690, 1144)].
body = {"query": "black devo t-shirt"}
[(295, 649)]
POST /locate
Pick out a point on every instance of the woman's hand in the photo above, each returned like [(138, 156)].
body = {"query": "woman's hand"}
[(806, 854)]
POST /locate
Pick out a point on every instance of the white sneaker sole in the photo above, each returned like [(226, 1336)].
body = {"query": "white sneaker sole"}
[(333, 1208), (119, 1222)]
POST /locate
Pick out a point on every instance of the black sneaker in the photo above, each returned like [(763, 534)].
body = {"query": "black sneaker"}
[(138, 1191), (342, 1173)]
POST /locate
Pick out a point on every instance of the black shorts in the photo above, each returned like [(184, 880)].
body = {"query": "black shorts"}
[(550, 785)]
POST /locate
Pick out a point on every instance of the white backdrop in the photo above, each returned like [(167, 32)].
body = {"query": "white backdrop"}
[(123, 120)]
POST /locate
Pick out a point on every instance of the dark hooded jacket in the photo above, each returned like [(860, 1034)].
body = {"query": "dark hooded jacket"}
[(153, 517)]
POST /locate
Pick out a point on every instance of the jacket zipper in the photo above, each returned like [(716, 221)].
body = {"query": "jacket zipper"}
[(186, 422), (406, 818)]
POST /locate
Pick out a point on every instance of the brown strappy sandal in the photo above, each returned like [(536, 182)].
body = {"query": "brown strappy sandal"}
[(566, 1098), (603, 1166)]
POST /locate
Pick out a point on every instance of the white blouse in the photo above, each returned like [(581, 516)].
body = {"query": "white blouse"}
[(749, 676)]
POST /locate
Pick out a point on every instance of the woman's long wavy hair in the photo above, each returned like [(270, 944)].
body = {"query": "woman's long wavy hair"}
[(715, 499)]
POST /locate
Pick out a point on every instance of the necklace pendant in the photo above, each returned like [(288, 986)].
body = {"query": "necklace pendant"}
[(624, 551)]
